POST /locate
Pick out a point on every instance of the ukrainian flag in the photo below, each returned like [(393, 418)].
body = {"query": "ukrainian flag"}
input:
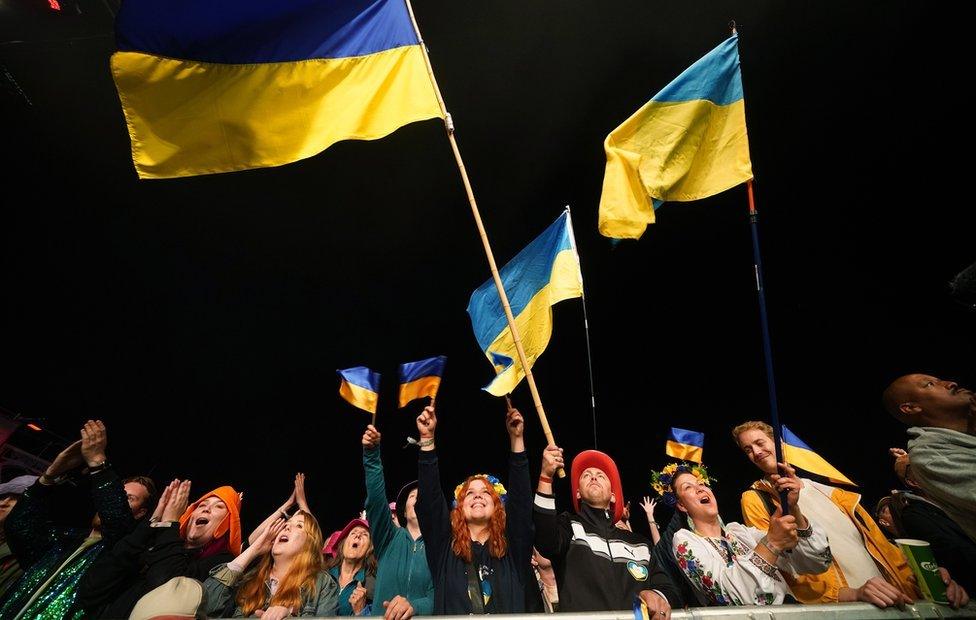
[(544, 273), (360, 386), (688, 142), (801, 455), (685, 445), (226, 85), (419, 379)]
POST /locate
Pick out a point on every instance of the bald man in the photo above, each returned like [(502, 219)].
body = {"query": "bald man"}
[(942, 441)]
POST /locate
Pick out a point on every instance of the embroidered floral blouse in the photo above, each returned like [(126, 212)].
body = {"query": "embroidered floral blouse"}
[(727, 571)]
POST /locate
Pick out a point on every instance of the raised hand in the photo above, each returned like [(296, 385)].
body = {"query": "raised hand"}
[(179, 499), (648, 505), (157, 514), (552, 459), (93, 442), (514, 423), (267, 538), (371, 438), (427, 422), (300, 492), (68, 459)]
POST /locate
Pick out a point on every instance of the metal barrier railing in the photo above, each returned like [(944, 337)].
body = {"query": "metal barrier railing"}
[(835, 611)]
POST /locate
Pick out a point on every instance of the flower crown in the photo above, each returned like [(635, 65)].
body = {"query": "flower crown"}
[(495, 483), (661, 481)]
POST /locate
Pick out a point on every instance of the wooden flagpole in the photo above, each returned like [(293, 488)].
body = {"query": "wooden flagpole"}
[(449, 125)]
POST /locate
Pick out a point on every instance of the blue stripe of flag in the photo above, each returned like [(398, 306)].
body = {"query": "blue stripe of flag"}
[(262, 31)]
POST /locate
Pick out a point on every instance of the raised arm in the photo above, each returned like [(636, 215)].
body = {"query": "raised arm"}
[(282, 511), (648, 505), (108, 493), (519, 504), (30, 527), (551, 540), (381, 526), (432, 513), (221, 584)]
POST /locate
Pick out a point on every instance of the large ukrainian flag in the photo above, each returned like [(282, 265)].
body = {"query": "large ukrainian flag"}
[(221, 85), (544, 273), (688, 142)]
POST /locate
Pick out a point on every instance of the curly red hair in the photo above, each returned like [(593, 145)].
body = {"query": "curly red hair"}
[(461, 536)]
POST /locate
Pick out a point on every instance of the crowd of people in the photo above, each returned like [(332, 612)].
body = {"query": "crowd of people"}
[(492, 546)]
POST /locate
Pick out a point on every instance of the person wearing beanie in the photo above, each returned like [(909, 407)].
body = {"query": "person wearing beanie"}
[(179, 540), (10, 493)]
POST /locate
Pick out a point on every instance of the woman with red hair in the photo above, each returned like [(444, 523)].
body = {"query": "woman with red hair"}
[(288, 579), (478, 552)]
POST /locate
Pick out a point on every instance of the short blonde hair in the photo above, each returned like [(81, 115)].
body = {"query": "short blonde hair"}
[(751, 425)]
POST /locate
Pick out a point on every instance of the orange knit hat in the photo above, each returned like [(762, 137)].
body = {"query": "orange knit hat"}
[(231, 523)]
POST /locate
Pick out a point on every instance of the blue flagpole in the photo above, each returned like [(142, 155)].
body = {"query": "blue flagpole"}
[(767, 346)]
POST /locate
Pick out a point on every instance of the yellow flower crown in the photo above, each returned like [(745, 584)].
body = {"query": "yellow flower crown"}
[(661, 481)]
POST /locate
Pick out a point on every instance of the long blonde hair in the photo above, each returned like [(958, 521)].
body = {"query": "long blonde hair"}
[(302, 577)]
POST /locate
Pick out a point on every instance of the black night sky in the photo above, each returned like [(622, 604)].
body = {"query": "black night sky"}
[(203, 318)]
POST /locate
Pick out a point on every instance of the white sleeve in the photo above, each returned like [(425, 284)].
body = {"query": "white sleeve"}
[(750, 580), (811, 556)]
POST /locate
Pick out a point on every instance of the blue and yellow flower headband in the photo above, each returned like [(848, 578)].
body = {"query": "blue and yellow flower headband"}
[(662, 481), (495, 483)]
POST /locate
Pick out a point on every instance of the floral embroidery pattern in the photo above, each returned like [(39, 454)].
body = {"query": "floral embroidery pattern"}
[(701, 578), (767, 568)]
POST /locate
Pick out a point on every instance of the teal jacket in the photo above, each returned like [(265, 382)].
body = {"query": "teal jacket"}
[(402, 560)]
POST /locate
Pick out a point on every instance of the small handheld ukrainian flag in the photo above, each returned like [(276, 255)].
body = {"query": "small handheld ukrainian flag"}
[(796, 452), (544, 273), (360, 386), (688, 142), (422, 378), (685, 445)]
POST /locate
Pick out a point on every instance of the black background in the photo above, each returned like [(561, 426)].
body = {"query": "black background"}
[(203, 318)]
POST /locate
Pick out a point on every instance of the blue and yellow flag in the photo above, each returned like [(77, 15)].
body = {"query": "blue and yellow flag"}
[(419, 379), (685, 445), (228, 85), (801, 455), (688, 142), (544, 273), (360, 386)]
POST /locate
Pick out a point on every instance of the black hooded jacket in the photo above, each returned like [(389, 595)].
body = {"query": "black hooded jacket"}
[(598, 567)]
